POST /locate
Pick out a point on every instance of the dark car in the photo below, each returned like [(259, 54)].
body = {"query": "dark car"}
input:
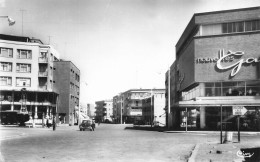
[(86, 124)]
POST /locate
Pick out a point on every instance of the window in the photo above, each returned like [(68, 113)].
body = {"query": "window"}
[(6, 52), (233, 27), (4, 81), (5, 66), (230, 27), (252, 25), (43, 54), (211, 29), (24, 54), (23, 68), (23, 82)]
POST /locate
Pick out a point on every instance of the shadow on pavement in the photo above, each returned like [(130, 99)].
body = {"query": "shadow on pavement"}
[(146, 128), (251, 154)]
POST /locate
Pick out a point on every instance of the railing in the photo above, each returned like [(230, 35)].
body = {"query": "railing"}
[(43, 59), (43, 74)]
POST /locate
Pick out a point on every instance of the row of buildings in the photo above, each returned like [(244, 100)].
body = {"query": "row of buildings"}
[(35, 83), (139, 106), (216, 71)]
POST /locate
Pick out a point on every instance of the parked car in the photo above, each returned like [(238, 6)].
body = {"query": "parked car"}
[(86, 124)]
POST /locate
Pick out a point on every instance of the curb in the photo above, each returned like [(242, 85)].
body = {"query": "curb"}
[(212, 132), (194, 153)]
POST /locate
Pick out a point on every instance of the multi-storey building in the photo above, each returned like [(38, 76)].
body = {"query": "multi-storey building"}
[(104, 111), (128, 106), (91, 110), (68, 77), (153, 108), (26, 79), (217, 70), (117, 106)]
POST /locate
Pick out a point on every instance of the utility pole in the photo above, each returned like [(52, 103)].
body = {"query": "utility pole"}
[(49, 39), (169, 97), (22, 10)]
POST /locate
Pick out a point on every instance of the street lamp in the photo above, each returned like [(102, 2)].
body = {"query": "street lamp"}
[(169, 97), (9, 19), (151, 108), (86, 84)]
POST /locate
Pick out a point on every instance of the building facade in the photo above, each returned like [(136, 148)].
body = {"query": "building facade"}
[(104, 111), (153, 108), (217, 70), (128, 106), (67, 75), (26, 80)]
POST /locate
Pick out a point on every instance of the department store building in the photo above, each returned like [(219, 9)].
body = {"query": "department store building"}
[(217, 67)]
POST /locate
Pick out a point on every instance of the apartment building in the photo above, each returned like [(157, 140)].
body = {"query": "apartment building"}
[(26, 80), (68, 77), (153, 108), (217, 70), (128, 106), (117, 106), (104, 110)]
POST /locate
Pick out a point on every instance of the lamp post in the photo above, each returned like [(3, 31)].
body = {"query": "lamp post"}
[(121, 108), (86, 84), (151, 107), (169, 97), (9, 19)]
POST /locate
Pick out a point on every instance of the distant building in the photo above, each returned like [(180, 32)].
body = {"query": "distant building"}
[(67, 75), (154, 108), (91, 110), (117, 106), (104, 110), (131, 104), (26, 80)]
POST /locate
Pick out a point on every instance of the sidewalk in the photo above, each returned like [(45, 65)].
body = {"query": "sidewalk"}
[(215, 152)]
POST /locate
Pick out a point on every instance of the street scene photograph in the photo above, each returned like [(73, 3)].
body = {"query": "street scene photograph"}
[(130, 80)]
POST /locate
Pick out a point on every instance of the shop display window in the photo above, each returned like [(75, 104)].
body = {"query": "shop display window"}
[(240, 88)]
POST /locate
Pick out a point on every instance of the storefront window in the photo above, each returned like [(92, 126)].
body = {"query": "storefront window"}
[(190, 117), (248, 88)]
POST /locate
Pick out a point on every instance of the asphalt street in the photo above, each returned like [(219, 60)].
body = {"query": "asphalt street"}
[(109, 142)]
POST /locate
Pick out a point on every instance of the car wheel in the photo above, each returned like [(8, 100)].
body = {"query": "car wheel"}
[(80, 129)]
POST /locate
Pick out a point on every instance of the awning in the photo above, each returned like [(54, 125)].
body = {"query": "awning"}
[(221, 101)]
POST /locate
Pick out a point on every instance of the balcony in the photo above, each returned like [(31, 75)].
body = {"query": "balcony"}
[(42, 88), (43, 60), (43, 74)]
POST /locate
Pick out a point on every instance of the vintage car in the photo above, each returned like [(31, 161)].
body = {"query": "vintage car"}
[(85, 124)]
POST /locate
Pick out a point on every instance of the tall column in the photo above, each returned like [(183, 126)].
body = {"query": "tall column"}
[(47, 112), (12, 104), (202, 90), (35, 112), (202, 117), (36, 107)]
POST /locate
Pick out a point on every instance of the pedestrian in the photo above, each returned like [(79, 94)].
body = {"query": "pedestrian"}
[(98, 122), (54, 123), (93, 125), (47, 123)]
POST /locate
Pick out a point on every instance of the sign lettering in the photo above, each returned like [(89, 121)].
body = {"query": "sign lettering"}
[(229, 57)]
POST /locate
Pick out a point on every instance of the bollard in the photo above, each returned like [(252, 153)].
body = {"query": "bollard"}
[(228, 137)]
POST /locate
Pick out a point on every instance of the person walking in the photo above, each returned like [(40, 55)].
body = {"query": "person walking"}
[(93, 125)]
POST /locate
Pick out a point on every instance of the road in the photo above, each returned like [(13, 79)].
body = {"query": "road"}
[(109, 142)]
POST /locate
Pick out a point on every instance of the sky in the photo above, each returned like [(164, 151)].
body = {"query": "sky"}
[(117, 44)]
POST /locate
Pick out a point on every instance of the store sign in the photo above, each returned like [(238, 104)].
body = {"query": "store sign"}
[(229, 57), (136, 112), (239, 110)]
